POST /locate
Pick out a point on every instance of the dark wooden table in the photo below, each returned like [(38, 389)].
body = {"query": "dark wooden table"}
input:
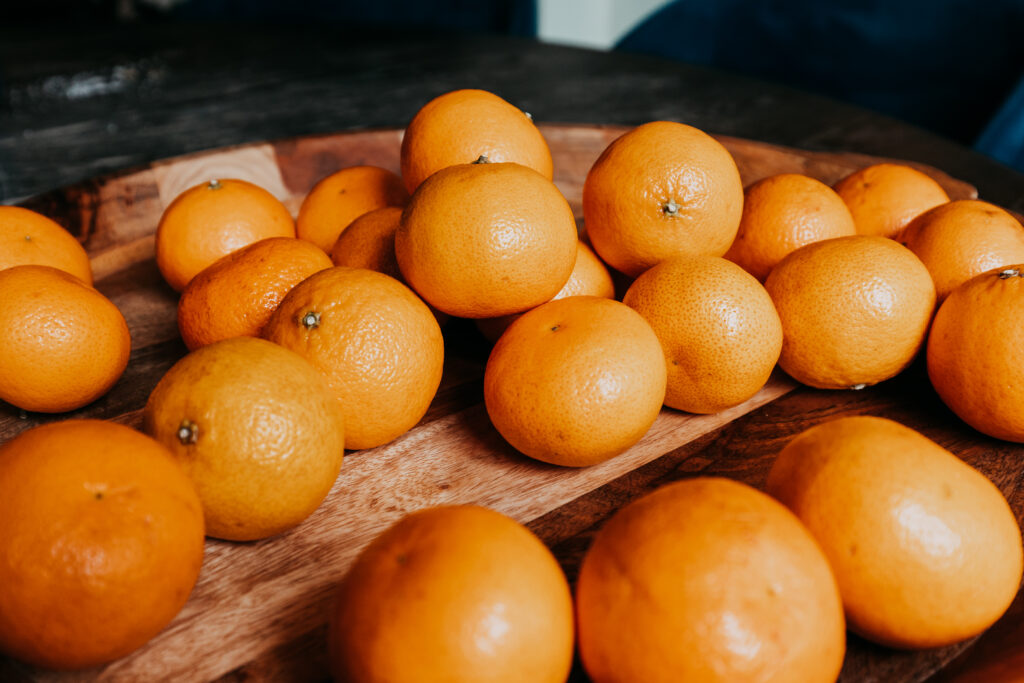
[(83, 102)]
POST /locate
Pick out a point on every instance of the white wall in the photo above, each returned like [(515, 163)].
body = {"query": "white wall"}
[(590, 23)]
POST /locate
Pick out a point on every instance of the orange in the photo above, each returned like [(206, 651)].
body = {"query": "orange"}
[(884, 198), (782, 213), (576, 381), (369, 242), (717, 325), (663, 189), (464, 126), (961, 239), (854, 310), (589, 277), (708, 579), (236, 295), (30, 238), (101, 540), (341, 197), (256, 428), (378, 345), (62, 343), (484, 240), (976, 352), (455, 593), (212, 220), (925, 549)]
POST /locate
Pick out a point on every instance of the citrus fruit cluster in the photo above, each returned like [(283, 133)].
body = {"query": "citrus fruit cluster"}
[(311, 335)]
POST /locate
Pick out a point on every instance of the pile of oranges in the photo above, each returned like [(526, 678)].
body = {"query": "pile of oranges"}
[(311, 335)]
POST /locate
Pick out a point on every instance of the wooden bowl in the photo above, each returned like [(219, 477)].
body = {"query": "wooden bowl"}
[(259, 609)]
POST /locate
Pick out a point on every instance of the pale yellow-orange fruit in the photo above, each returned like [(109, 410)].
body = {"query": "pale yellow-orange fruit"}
[(718, 328), (855, 310), (256, 428)]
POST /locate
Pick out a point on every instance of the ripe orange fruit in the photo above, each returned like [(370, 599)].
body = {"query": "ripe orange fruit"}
[(884, 198), (341, 197), (212, 220), (717, 325), (236, 295), (663, 189), (961, 239), (575, 381), (464, 126), (62, 343), (708, 579), (589, 277), (375, 341), (976, 352), (101, 540), (925, 549), (256, 428), (30, 238), (369, 242), (854, 310), (782, 213), (484, 240), (455, 593)]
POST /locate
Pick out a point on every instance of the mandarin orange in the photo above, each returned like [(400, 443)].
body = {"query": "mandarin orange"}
[(717, 326), (663, 189), (343, 196), (589, 277), (855, 310), (211, 220), (485, 240), (465, 126), (925, 549), (961, 239), (884, 198), (257, 429), (101, 541), (575, 381), (377, 344), (30, 238), (236, 295), (976, 352), (782, 213), (708, 579), (62, 343), (369, 242), (455, 593)]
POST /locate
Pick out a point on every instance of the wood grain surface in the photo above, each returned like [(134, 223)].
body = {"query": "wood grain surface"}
[(259, 609), (77, 101)]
